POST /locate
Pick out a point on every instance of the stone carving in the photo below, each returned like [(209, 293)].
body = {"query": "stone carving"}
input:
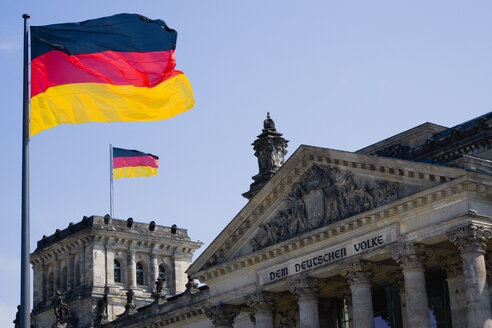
[(396, 278), (262, 302), (452, 264), (222, 315), (287, 318), (304, 288), (270, 148), (101, 315), (191, 285), (470, 238), (358, 273), (62, 313), (411, 256), (158, 293), (130, 307), (324, 195)]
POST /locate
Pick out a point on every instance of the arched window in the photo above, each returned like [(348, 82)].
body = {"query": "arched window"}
[(140, 274), (77, 274), (162, 274), (117, 271), (50, 284), (64, 278)]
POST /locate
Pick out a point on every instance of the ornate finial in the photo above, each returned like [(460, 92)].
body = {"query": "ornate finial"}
[(270, 148)]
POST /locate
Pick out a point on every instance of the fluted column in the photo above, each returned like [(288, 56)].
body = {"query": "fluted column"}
[(471, 241), (222, 315), (412, 258), (453, 266), (132, 270), (263, 305), (306, 290), (358, 275)]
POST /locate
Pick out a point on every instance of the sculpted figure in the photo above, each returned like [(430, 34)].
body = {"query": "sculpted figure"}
[(61, 309)]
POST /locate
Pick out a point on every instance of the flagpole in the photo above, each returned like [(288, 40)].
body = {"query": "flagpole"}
[(25, 319), (111, 194)]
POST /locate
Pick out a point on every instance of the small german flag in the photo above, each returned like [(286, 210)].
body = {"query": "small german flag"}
[(133, 163)]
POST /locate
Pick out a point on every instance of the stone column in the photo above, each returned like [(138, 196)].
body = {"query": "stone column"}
[(222, 315), (263, 305), (132, 269), (306, 290), (412, 258), (452, 264), (154, 269), (358, 275), (471, 241)]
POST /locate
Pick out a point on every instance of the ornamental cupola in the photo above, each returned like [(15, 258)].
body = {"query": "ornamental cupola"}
[(270, 148)]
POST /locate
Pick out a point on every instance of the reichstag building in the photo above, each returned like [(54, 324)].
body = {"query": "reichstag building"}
[(393, 235)]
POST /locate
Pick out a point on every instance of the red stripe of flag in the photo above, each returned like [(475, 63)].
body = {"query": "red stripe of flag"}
[(140, 69), (150, 161)]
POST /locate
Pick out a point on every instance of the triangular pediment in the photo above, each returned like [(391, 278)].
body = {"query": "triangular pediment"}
[(319, 187)]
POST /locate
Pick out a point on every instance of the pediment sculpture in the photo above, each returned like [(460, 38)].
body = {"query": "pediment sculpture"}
[(323, 196)]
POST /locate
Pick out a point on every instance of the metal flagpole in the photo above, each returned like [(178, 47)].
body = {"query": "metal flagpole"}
[(111, 194), (25, 319)]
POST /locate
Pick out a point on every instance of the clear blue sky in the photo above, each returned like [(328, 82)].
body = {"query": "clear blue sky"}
[(341, 75)]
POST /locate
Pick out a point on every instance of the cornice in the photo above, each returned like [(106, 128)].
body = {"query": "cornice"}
[(116, 240), (384, 214)]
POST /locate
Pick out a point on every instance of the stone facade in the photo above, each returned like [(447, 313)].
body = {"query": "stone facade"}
[(93, 264), (395, 235)]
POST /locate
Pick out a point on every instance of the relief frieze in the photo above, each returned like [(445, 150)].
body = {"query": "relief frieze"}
[(324, 195)]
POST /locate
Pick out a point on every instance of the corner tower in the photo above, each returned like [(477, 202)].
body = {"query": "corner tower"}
[(270, 148), (92, 265)]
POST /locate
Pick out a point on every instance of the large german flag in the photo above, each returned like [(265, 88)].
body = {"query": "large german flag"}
[(112, 69)]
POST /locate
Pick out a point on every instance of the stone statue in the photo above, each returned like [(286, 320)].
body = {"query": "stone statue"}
[(191, 285), (158, 293), (102, 310), (62, 313), (17, 317), (130, 307)]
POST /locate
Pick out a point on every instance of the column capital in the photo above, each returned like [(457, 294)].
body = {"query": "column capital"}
[(470, 238), (411, 256), (262, 302), (452, 264), (358, 273), (304, 288), (396, 278), (222, 315)]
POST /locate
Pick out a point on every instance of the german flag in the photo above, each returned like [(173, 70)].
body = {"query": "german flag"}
[(111, 69), (133, 163)]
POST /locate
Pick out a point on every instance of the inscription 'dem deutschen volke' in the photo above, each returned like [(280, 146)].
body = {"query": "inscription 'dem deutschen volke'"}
[(330, 255)]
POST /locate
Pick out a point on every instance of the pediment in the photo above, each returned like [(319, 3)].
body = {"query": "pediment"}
[(318, 187)]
